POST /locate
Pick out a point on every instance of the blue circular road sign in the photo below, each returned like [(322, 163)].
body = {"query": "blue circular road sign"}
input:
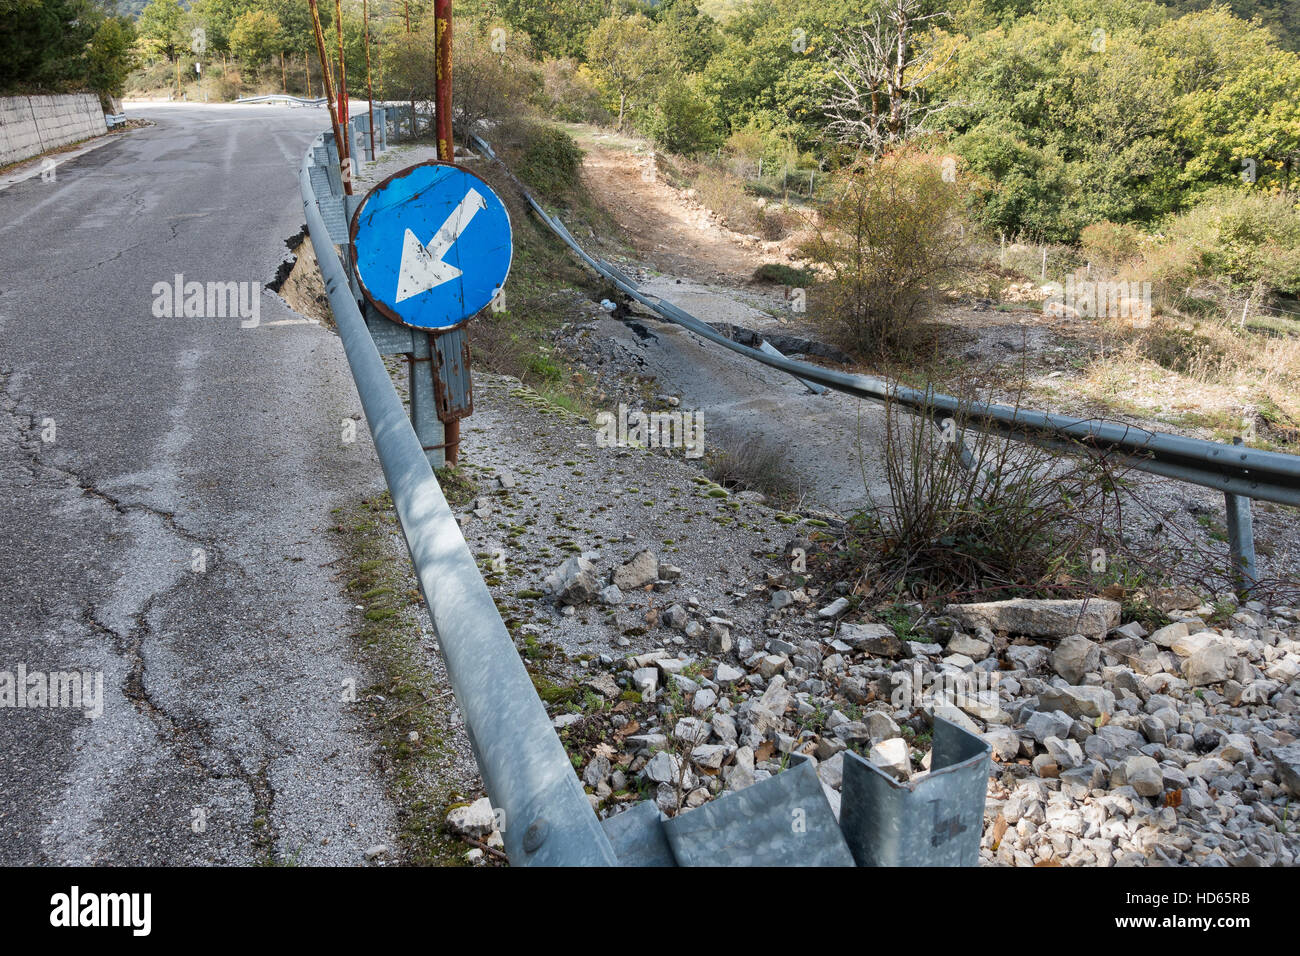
[(432, 246)]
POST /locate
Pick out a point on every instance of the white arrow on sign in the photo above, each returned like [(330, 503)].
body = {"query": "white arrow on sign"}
[(422, 266)]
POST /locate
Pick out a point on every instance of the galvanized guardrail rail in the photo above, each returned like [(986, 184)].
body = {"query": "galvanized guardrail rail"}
[(547, 819), (283, 98), (1239, 472)]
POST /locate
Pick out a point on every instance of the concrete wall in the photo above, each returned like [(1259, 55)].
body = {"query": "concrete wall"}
[(29, 125)]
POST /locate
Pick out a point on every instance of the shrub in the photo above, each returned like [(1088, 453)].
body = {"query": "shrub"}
[(750, 465), (1111, 244), (545, 157), (781, 274), (1022, 521), (569, 93), (890, 240), (751, 143), (725, 195), (489, 86), (1244, 240), (230, 85), (682, 120)]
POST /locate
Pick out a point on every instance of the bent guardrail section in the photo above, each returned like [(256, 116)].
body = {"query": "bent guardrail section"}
[(283, 98), (1240, 473)]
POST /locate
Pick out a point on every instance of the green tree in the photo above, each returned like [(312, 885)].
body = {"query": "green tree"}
[(687, 38), (622, 53), (160, 29), (772, 70), (683, 120), (44, 44), (256, 37), (218, 19), (555, 27), (110, 58), (888, 240)]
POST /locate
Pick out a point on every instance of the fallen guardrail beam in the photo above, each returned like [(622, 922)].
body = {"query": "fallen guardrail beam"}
[(784, 820), (1240, 473)]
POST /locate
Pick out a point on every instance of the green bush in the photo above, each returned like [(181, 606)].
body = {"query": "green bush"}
[(890, 240), (547, 158), (569, 92), (682, 120), (1244, 240), (1110, 243), (1022, 522)]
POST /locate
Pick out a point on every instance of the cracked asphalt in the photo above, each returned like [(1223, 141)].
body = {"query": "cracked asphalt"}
[(167, 486)]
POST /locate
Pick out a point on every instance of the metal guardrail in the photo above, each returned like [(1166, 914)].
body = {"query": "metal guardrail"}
[(1239, 472), (282, 98)]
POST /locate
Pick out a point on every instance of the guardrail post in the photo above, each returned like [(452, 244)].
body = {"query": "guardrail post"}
[(1241, 538), (424, 402)]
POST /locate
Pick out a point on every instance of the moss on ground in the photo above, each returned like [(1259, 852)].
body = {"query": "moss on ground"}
[(405, 696)]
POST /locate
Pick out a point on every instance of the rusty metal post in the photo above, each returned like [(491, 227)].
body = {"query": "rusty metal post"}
[(370, 87), (329, 87), (446, 153), (442, 96), (343, 89)]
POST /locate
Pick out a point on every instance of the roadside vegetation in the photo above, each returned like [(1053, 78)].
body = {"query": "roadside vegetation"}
[(64, 46), (407, 705)]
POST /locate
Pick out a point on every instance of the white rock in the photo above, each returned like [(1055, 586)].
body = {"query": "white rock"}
[(573, 582), (663, 768), (1143, 774), (1166, 635), (1040, 618), (642, 569), (475, 820), (646, 680), (892, 756), (1076, 656), (726, 674), (976, 650), (1211, 664), (834, 609)]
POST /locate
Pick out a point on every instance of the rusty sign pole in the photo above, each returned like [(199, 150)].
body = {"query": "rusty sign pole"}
[(448, 349), (343, 92), (329, 87), (370, 87), (442, 16)]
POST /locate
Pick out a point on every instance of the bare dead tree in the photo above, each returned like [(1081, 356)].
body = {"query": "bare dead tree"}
[(875, 99)]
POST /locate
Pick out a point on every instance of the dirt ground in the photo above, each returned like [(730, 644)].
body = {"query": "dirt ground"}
[(675, 233)]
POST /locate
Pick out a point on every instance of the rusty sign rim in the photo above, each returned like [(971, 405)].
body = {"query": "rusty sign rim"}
[(354, 224)]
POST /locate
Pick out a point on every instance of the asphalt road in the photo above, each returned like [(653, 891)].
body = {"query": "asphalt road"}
[(173, 534)]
